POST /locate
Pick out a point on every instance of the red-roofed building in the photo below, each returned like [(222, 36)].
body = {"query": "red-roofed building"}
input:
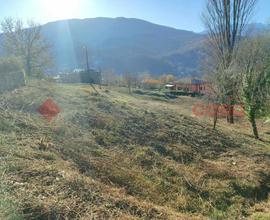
[(195, 86)]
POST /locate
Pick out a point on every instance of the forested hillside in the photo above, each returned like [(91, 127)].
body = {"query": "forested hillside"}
[(124, 45)]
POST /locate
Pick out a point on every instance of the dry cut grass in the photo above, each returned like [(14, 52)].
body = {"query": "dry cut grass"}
[(120, 156)]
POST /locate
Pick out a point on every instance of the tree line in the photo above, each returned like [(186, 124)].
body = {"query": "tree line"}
[(141, 80), (237, 65), (25, 43)]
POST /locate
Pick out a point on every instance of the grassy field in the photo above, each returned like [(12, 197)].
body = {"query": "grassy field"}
[(121, 156)]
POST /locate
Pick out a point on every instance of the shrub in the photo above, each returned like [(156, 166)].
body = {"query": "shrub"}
[(11, 75)]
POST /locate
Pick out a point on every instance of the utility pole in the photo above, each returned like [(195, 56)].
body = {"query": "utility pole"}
[(88, 68), (87, 60), (100, 79)]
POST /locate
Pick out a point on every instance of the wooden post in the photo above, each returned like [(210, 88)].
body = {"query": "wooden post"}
[(88, 68)]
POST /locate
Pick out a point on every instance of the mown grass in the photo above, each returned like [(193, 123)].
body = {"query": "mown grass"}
[(8, 204), (120, 156)]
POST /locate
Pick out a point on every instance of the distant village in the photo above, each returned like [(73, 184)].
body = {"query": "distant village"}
[(191, 86)]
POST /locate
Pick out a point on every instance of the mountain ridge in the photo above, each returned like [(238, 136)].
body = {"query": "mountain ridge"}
[(127, 45), (119, 44)]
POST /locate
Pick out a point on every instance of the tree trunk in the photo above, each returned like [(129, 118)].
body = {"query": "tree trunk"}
[(229, 110), (226, 107), (28, 67), (216, 107), (252, 120), (215, 121), (230, 118)]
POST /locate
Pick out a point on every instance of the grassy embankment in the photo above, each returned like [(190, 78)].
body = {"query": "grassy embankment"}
[(120, 156)]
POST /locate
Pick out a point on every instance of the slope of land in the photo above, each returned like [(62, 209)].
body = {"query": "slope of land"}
[(120, 156)]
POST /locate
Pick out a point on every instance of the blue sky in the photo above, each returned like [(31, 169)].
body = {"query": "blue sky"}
[(182, 14)]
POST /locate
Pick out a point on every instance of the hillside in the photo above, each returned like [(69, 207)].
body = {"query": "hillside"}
[(123, 44), (120, 156), (127, 45)]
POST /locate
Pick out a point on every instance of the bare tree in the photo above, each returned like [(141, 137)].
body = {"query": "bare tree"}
[(214, 96), (254, 63), (217, 94), (166, 78), (226, 21), (27, 43), (108, 77), (129, 80)]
